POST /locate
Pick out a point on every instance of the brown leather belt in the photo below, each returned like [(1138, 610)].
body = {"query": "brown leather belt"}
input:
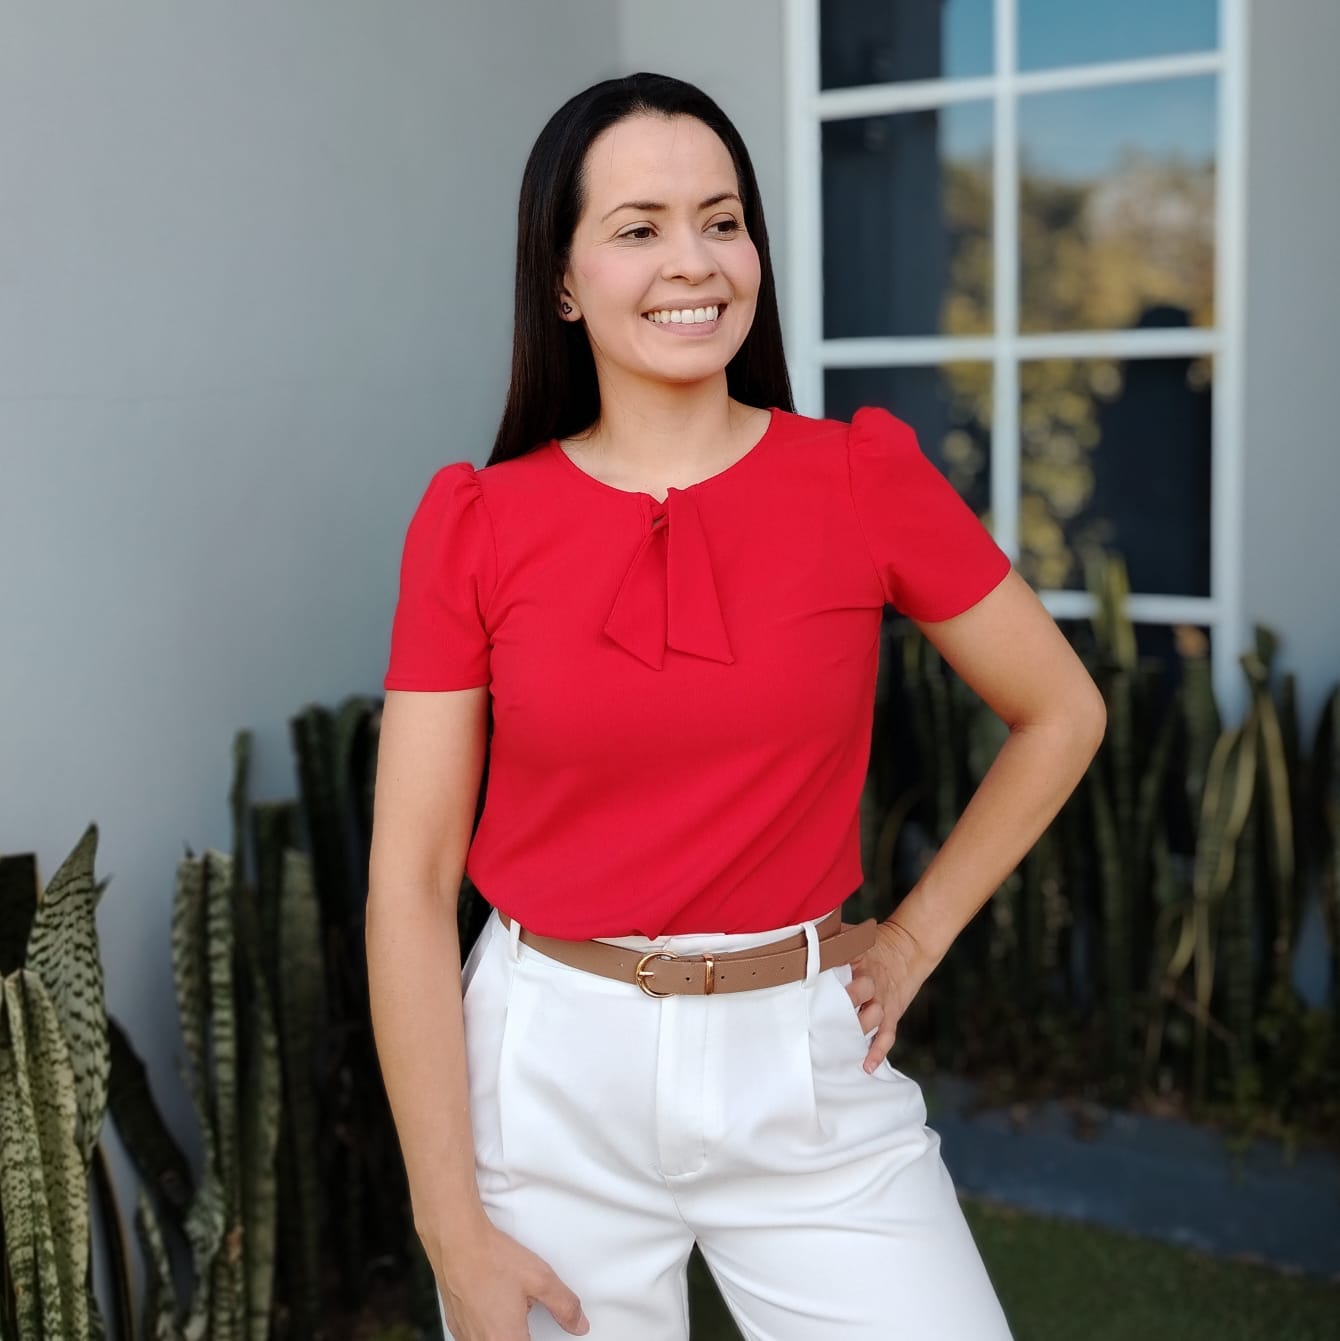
[(660, 973)]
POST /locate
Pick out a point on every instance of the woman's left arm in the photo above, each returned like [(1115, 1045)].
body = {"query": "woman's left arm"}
[(1009, 651)]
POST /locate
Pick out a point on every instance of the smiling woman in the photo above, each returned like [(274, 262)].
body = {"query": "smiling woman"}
[(664, 592), (652, 247)]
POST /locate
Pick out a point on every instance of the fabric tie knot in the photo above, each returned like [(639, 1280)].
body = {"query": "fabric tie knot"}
[(668, 596)]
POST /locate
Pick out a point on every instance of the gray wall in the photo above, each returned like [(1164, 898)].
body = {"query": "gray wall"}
[(255, 285), (1291, 481), (1291, 485)]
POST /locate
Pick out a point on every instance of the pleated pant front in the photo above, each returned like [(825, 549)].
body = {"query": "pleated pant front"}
[(612, 1129)]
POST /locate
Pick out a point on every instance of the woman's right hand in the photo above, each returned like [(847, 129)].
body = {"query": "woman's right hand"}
[(489, 1282)]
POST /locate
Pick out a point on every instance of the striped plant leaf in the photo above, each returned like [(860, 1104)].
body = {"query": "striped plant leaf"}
[(40, 1131), (204, 1232), (64, 1172), (300, 1015), (17, 1209), (1277, 823), (274, 827), (159, 1321), (237, 796), (63, 952), (228, 1291), (347, 728), (262, 1090), (204, 1224), (313, 736), (105, 1212)]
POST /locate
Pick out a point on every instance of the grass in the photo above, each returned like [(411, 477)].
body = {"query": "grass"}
[(1062, 1281)]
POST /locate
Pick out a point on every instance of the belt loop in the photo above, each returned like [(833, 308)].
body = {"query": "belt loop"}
[(514, 932), (811, 954)]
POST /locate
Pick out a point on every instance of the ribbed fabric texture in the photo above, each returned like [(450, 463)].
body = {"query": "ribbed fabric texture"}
[(683, 689)]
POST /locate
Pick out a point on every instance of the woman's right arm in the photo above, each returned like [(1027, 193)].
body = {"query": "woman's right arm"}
[(430, 761)]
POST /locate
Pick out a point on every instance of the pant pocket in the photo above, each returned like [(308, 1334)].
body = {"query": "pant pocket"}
[(487, 1003), (833, 1012)]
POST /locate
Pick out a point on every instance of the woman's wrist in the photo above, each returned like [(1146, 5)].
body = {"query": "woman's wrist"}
[(462, 1226), (918, 958)]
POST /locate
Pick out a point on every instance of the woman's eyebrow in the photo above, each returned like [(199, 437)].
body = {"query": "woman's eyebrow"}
[(658, 205)]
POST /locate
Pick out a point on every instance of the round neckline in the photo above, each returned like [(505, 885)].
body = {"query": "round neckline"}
[(774, 418)]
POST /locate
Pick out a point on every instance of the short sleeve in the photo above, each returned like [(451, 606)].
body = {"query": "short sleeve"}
[(448, 569), (934, 558)]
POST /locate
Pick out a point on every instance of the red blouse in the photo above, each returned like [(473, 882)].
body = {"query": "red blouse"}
[(683, 691)]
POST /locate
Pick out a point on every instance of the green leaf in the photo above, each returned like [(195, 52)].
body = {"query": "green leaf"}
[(300, 1014), (159, 1318), (18, 904), (227, 1307), (63, 952), (204, 1223), (40, 1128), (262, 1088), (151, 1146)]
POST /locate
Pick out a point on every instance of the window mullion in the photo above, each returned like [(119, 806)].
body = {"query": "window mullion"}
[(804, 301), (1226, 471), (1005, 287)]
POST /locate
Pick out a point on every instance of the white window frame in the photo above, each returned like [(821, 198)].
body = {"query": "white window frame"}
[(810, 355)]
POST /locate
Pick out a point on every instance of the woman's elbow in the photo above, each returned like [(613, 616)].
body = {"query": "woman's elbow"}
[(1088, 716), (1075, 714)]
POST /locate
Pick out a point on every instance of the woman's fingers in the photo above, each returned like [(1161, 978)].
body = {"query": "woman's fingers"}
[(861, 989), (870, 1012)]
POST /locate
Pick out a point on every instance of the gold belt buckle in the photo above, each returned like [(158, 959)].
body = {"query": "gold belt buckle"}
[(642, 972)]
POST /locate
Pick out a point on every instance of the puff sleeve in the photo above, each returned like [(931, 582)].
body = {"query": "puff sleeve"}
[(934, 558), (448, 570)]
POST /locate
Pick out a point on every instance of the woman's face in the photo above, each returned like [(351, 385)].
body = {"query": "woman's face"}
[(666, 251)]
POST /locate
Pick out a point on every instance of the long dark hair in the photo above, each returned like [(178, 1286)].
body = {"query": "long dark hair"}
[(554, 391)]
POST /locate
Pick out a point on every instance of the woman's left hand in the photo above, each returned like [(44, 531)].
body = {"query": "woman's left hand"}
[(884, 980)]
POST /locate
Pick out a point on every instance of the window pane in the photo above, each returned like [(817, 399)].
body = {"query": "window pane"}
[(1116, 454), (864, 43), (1061, 32), (949, 407), (1117, 197), (907, 223)]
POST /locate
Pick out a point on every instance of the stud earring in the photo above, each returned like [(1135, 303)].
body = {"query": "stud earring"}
[(567, 307)]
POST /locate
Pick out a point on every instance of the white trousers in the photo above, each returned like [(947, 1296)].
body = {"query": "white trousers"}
[(612, 1129)]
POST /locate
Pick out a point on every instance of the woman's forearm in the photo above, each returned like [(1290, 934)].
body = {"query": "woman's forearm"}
[(1034, 772), (414, 988)]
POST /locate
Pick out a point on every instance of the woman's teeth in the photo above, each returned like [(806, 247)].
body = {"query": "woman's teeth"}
[(688, 316)]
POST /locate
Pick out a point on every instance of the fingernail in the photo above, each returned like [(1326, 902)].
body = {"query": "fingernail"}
[(583, 1324)]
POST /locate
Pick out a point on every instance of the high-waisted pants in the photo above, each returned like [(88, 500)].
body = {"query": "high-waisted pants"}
[(612, 1129)]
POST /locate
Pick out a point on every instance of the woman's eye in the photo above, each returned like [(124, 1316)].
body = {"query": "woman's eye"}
[(730, 225)]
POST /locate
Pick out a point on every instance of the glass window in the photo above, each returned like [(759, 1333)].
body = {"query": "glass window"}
[(1116, 454), (907, 223), (949, 407), (1112, 211), (1070, 32), (882, 43), (1117, 201)]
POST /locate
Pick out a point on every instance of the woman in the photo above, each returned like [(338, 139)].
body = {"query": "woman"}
[(668, 588)]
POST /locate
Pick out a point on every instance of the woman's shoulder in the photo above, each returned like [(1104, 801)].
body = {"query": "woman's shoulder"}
[(867, 423)]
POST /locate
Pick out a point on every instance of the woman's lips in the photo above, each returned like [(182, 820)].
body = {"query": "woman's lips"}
[(692, 329)]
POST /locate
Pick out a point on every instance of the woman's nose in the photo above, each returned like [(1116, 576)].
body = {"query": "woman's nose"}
[(689, 256)]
